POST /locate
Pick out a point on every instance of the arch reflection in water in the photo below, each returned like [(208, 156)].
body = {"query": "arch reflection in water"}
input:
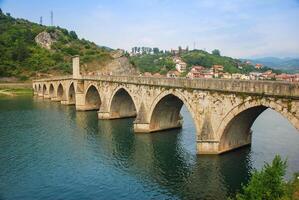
[(161, 161)]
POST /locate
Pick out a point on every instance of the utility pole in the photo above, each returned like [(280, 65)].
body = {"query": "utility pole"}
[(41, 20), (52, 18)]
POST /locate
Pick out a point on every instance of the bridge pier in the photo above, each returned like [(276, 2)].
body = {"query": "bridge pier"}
[(55, 99), (40, 94), (46, 96), (80, 102), (67, 102), (109, 115)]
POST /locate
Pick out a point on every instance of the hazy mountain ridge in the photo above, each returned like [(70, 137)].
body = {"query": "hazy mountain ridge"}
[(288, 64)]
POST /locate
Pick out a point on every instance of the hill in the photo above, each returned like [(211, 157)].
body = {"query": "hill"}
[(162, 62), (28, 50)]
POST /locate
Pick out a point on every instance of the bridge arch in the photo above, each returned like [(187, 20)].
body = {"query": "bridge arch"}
[(39, 88), (235, 129), (51, 90), (92, 98), (122, 104), (71, 94), (60, 91), (44, 89), (165, 111)]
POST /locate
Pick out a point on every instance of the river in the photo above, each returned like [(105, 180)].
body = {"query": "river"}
[(50, 151)]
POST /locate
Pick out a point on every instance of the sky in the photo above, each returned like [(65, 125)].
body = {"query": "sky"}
[(238, 28)]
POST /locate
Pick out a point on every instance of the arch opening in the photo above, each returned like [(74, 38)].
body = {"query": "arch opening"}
[(92, 99), (51, 90), (39, 88), (35, 88), (122, 105), (237, 132), (44, 89), (72, 97), (166, 114), (60, 92)]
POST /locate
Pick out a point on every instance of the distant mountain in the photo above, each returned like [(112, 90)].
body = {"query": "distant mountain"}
[(287, 64)]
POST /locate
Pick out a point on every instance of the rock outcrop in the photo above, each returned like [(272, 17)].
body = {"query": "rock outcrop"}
[(45, 39)]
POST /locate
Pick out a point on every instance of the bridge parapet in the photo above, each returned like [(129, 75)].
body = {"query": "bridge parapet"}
[(267, 88)]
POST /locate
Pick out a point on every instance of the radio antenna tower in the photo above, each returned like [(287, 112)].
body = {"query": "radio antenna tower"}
[(52, 18), (41, 20)]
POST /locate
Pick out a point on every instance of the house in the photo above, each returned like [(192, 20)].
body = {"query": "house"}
[(157, 75), (255, 76), (226, 75), (148, 74), (173, 74), (181, 66), (258, 66), (218, 68), (244, 77), (208, 73), (236, 76), (194, 74), (268, 75), (287, 77)]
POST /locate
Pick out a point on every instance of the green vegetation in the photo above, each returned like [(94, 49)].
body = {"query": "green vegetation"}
[(156, 63), (15, 91), (22, 57), (268, 184)]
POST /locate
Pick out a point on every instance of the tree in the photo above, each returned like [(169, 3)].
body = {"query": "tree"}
[(180, 50), (216, 52), (156, 50), (73, 35), (267, 184)]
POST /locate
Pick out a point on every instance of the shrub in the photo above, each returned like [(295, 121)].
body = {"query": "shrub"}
[(266, 184)]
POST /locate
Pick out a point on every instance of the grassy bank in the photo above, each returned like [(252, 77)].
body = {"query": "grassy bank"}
[(13, 89)]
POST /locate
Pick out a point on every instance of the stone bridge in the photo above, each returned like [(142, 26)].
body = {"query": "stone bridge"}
[(223, 111)]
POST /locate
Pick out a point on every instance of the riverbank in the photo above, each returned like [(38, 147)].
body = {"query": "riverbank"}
[(13, 89)]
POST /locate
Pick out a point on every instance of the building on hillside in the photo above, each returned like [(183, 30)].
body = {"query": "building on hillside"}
[(173, 74), (181, 66), (255, 76), (226, 75), (245, 77), (148, 74), (268, 75), (258, 66), (217, 70), (158, 75), (236, 76), (196, 72), (208, 73), (287, 77)]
